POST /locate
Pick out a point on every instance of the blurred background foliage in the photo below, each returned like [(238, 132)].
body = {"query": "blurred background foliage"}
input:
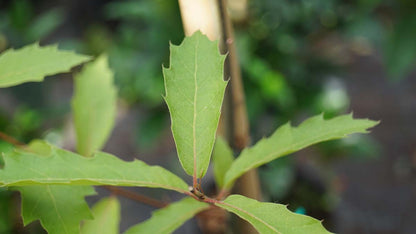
[(293, 57)]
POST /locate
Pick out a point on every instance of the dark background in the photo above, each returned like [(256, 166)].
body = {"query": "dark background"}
[(298, 58)]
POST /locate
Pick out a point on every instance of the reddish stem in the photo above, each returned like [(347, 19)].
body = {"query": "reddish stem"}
[(11, 140), (137, 197)]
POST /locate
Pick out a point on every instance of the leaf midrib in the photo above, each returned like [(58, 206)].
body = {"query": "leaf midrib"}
[(56, 208), (94, 181), (294, 146), (195, 107), (250, 214)]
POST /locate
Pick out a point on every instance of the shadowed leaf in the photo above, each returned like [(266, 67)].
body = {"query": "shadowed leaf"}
[(106, 220), (168, 219), (222, 158), (94, 106), (59, 208)]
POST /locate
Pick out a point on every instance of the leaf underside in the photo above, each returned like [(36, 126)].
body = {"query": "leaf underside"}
[(288, 139), (270, 217), (33, 63), (106, 218), (194, 93), (94, 106), (60, 208), (168, 219), (60, 167)]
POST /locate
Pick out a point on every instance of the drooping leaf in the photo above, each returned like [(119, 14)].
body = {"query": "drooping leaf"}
[(270, 217), (94, 106), (33, 63), (60, 167), (60, 208), (222, 158), (106, 220), (288, 139), (194, 93), (167, 219)]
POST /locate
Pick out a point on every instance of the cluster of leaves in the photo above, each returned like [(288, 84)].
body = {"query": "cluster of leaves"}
[(53, 182)]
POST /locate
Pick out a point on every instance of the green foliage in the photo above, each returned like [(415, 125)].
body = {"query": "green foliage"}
[(270, 217), (288, 139), (194, 93), (60, 167), (106, 220), (60, 209), (222, 158), (400, 49), (33, 63), (6, 211), (21, 23), (167, 219), (53, 182), (94, 106)]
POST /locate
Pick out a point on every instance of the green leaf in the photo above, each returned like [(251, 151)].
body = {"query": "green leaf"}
[(33, 63), (106, 218), (94, 106), (60, 167), (168, 219), (59, 208), (194, 93), (222, 158), (270, 217), (288, 139)]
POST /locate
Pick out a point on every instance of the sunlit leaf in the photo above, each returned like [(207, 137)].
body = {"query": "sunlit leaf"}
[(33, 63), (106, 220), (194, 93), (94, 106), (270, 217), (60, 167), (222, 158), (288, 139), (168, 219), (60, 208)]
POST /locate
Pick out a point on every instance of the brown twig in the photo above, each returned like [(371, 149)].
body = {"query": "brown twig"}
[(136, 197), (249, 184), (11, 140)]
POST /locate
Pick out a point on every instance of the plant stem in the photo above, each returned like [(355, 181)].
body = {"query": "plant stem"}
[(249, 184), (11, 140), (136, 197)]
